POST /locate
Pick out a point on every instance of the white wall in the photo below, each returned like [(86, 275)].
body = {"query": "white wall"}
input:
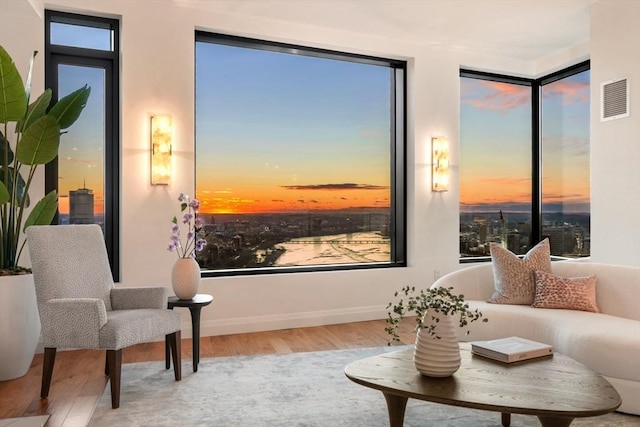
[(157, 77), (615, 145)]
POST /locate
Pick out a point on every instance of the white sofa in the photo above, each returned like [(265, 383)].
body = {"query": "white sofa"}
[(607, 342)]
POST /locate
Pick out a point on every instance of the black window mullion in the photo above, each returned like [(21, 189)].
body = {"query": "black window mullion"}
[(229, 40), (112, 169), (536, 164), (398, 159), (107, 61), (567, 72)]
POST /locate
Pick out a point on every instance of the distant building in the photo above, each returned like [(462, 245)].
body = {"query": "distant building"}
[(81, 206), (562, 239), (513, 243), (482, 231)]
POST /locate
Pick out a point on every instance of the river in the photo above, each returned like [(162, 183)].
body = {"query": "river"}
[(336, 249)]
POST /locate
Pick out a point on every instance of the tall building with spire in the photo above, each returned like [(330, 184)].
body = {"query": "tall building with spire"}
[(81, 206)]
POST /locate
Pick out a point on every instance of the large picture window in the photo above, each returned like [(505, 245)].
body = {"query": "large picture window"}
[(495, 165), (299, 157), (84, 50), (524, 162)]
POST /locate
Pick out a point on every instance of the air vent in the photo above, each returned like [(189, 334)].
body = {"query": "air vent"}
[(615, 100)]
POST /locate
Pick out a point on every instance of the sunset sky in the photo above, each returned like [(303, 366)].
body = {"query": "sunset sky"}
[(495, 134), (301, 134), (81, 153), (306, 134)]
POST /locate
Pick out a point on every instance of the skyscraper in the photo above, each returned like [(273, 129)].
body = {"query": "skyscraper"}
[(81, 206)]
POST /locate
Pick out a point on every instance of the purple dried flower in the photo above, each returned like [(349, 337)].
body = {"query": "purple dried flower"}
[(194, 204), (189, 208), (200, 244)]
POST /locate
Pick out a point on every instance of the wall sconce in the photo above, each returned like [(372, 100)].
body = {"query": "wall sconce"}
[(440, 160), (161, 130)]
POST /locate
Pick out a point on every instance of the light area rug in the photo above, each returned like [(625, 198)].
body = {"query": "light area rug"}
[(292, 390)]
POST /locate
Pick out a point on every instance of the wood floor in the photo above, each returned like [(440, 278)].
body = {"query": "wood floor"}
[(78, 376)]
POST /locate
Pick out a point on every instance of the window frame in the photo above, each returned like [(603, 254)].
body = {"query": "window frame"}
[(397, 146), (536, 138), (109, 61)]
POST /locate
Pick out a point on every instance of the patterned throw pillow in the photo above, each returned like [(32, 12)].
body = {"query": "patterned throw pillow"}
[(575, 293), (513, 277)]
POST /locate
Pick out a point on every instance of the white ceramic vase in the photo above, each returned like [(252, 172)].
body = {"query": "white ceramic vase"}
[(19, 325), (435, 357), (185, 278)]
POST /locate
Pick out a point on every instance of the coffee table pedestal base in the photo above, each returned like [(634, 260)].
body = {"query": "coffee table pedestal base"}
[(555, 421), (396, 406), (544, 421)]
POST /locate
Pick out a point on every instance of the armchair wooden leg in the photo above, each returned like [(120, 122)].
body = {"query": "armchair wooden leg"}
[(47, 370), (176, 348), (114, 361), (106, 365)]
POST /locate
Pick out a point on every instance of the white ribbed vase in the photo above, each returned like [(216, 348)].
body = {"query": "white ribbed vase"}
[(185, 278), (437, 357)]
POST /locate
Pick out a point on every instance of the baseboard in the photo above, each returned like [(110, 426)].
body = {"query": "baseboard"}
[(286, 321), (275, 322)]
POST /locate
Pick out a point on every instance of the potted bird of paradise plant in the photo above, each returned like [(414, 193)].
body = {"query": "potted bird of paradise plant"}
[(29, 137)]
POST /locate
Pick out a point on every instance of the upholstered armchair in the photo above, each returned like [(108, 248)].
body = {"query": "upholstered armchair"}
[(81, 309)]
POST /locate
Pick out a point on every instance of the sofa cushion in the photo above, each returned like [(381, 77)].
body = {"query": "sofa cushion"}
[(606, 344), (513, 277), (571, 293), (617, 286)]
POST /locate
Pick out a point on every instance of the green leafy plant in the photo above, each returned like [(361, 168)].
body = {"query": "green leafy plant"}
[(440, 300), (36, 129)]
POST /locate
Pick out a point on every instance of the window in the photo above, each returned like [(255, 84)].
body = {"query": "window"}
[(84, 50), (299, 157), (524, 162), (495, 165), (565, 183)]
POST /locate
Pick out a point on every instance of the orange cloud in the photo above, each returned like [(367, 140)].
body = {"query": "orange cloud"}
[(572, 92), (488, 190), (345, 186), (500, 96)]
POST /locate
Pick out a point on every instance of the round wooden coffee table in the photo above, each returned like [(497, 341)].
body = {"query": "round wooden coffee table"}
[(556, 389)]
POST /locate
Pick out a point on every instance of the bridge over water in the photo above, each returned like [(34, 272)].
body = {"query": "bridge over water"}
[(350, 242)]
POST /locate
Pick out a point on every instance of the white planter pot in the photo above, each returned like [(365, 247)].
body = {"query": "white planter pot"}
[(435, 357), (19, 325), (185, 278)]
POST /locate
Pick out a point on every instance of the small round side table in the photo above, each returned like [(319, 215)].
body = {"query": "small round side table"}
[(194, 305)]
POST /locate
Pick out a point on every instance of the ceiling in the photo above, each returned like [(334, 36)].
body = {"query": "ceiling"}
[(516, 29)]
